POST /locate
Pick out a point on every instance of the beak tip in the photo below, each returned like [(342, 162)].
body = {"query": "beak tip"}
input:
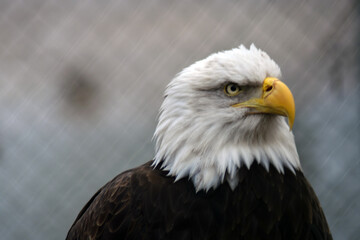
[(291, 124)]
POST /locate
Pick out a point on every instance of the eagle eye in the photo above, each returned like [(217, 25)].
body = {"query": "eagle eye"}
[(232, 89)]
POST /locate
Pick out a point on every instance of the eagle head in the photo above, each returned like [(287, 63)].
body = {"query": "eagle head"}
[(223, 113)]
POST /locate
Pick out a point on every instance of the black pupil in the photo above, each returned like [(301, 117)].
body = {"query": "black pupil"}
[(233, 88)]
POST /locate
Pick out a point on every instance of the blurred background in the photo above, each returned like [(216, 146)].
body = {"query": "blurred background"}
[(81, 83)]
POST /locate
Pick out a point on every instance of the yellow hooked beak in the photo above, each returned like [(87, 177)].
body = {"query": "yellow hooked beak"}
[(276, 99)]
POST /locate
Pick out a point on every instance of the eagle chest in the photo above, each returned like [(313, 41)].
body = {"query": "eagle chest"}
[(264, 204)]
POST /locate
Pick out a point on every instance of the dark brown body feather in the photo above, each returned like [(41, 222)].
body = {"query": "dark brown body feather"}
[(144, 203)]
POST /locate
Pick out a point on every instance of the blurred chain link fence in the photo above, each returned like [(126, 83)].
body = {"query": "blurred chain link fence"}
[(81, 83)]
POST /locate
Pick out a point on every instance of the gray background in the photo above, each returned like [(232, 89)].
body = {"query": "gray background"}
[(81, 83)]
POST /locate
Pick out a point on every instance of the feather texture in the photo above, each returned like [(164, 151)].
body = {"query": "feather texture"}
[(145, 203)]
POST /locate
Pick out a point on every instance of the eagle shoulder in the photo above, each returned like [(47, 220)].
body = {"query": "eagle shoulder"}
[(114, 209)]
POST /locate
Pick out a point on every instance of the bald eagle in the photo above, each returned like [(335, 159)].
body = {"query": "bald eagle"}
[(226, 164)]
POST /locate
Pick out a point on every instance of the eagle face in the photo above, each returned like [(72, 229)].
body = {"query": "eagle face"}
[(223, 113)]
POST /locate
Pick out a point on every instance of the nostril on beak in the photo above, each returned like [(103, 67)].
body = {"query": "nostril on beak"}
[(269, 88)]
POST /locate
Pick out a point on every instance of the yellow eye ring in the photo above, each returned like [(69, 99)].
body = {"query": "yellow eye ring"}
[(232, 89)]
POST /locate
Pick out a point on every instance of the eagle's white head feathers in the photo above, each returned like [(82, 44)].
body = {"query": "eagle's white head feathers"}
[(201, 135)]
